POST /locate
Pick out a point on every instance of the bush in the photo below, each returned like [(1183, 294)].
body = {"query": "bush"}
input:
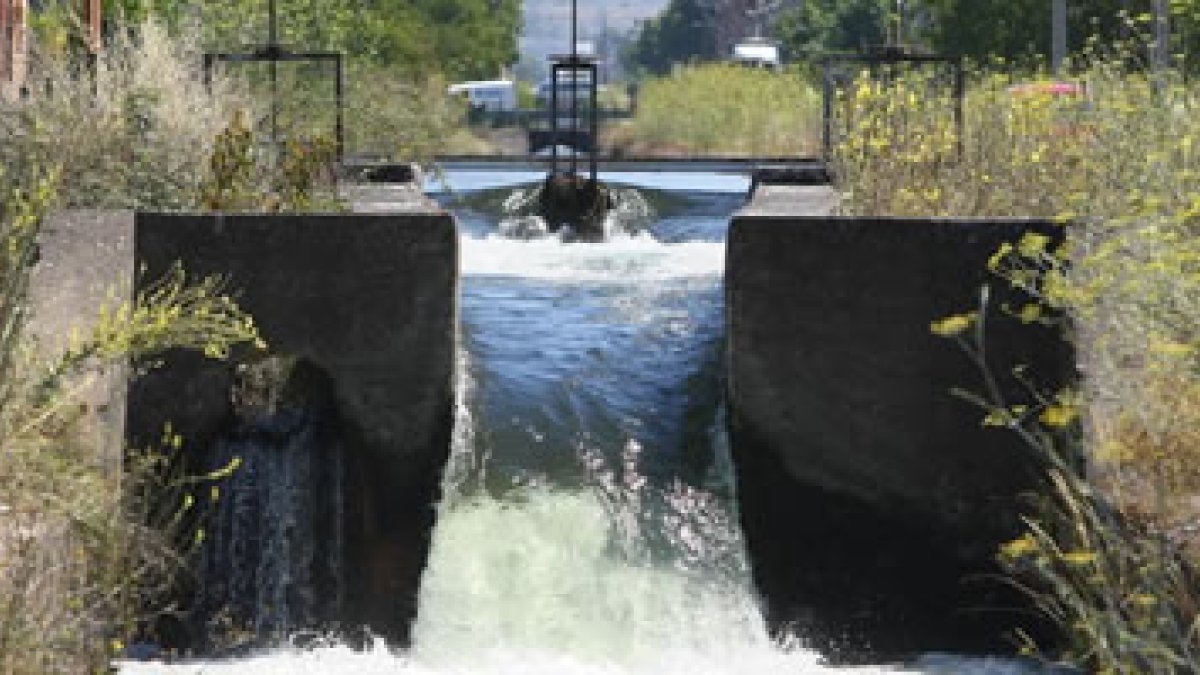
[(1115, 162), (135, 131), (722, 109)]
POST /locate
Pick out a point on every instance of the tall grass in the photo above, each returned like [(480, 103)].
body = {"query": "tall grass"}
[(1117, 164), (720, 109)]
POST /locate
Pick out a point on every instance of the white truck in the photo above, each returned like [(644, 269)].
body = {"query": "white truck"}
[(490, 95), (757, 52)]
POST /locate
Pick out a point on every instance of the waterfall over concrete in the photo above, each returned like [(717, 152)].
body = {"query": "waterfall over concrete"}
[(588, 523)]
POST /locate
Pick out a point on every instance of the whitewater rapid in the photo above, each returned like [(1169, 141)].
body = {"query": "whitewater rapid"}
[(588, 524)]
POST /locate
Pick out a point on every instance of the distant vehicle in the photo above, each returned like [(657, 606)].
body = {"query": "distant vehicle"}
[(1049, 88), (490, 95), (757, 52), (1071, 104)]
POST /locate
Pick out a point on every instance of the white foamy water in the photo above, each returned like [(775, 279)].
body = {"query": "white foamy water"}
[(623, 259), (621, 572)]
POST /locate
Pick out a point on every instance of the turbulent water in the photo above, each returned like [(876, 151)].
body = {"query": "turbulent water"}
[(588, 524)]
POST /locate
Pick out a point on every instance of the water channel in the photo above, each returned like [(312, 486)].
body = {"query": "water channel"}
[(588, 524)]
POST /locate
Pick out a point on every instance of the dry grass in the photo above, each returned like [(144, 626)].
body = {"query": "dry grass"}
[(136, 135)]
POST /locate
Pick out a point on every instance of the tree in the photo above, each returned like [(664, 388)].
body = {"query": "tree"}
[(460, 38), (821, 26), (683, 32)]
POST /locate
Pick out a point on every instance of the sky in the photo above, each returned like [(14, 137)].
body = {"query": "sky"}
[(548, 24)]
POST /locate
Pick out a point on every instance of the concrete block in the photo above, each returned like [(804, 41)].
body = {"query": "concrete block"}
[(85, 260), (869, 494), (368, 301)]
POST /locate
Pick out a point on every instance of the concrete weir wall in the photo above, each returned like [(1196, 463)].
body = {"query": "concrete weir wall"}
[(872, 498), (368, 303), (85, 261)]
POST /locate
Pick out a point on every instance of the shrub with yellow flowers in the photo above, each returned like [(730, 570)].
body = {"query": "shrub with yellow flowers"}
[(80, 544), (1111, 154)]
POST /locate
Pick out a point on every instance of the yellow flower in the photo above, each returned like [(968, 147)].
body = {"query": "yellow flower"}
[(952, 325), (1079, 558), (999, 256), (1058, 415), (1033, 244), (1143, 600), (1018, 548), (1172, 348)]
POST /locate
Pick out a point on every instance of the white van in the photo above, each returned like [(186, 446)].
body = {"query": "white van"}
[(757, 52), (492, 95)]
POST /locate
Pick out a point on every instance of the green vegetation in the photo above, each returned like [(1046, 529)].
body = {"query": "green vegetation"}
[(723, 110), (460, 39), (692, 30), (1109, 550), (77, 557), (679, 34), (399, 56)]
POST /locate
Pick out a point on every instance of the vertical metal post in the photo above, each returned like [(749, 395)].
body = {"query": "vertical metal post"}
[(574, 87), (960, 94), (554, 119), (93, 15), (1058, 35), (6, 43), (827, 93), (339, 89), (1162, 35), (209, 59), (273, 70), (595, 126)]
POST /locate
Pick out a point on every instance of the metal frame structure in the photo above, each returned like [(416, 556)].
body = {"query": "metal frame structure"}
[(272, 53), (891, 57), (576, 65)]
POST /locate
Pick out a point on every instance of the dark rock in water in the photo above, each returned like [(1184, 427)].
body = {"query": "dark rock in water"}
[(572, 201)]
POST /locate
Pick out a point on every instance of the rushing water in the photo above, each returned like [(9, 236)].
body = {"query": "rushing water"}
[(588, 524)]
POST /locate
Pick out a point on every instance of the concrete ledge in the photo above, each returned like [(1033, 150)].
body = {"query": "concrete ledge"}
[(868, 492), (368, 302), (86, 259)]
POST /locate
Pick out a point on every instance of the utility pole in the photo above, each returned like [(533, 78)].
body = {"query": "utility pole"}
[(93, 15), (1058, 35), (1162, 35), (13, 47)]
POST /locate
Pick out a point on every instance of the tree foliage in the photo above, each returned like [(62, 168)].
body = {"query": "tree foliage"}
[(460, 38), (1011, 29), (821, 26), (683, 32)]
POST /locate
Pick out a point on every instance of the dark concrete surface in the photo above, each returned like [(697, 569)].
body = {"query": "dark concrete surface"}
[(872, 498), (369, 300)]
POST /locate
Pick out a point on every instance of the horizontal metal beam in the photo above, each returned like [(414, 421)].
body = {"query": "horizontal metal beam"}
[(732, 165)]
